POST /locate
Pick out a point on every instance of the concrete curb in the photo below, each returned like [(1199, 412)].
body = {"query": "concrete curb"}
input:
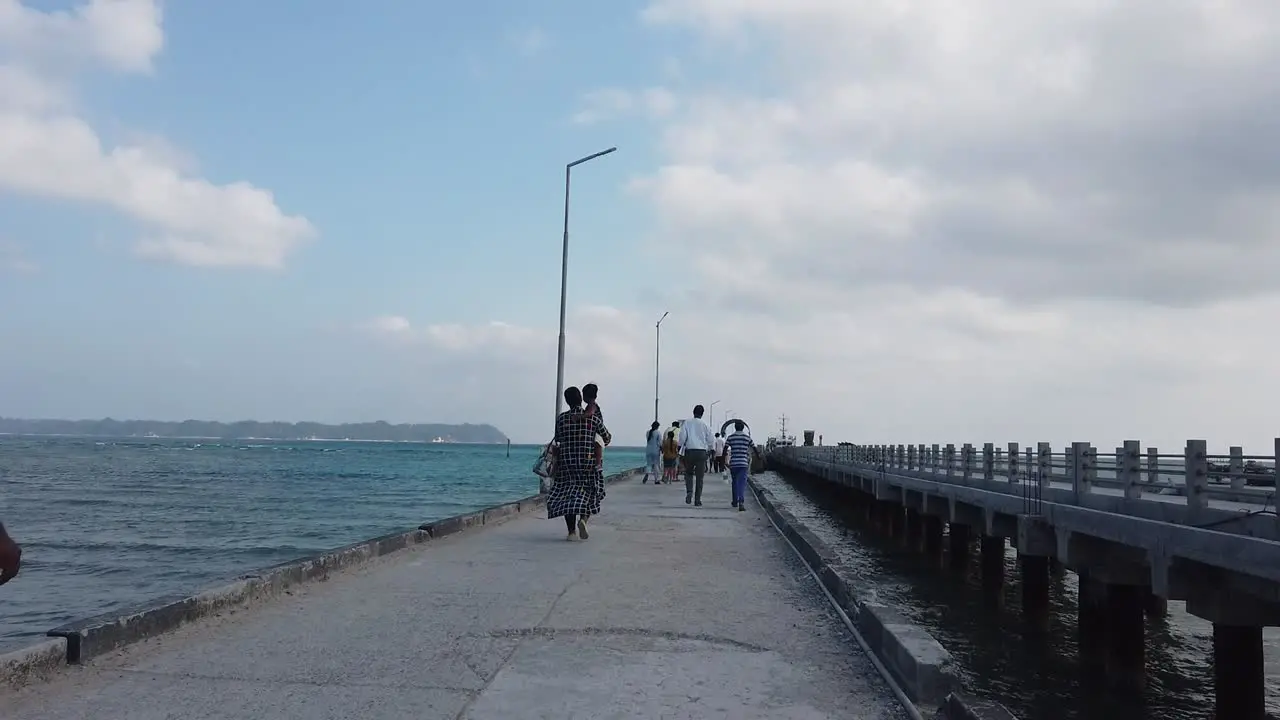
[(30, 664), (920, 664), (958, 707), (83, 639)]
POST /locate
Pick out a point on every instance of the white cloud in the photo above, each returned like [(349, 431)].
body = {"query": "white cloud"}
[(611, 103), (13, 259), (992, 221), (47, 149), (530, 41)]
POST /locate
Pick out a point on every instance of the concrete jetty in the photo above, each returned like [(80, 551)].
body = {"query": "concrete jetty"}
[(666, 611), (1138, 528)]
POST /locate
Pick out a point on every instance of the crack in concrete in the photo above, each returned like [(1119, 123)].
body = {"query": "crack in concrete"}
[(551, 632), (466, 707), (289, 681)]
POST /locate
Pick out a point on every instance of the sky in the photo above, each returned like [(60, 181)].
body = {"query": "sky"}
[(907, 221)]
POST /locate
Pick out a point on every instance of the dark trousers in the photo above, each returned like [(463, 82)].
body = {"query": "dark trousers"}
[(695, 467)]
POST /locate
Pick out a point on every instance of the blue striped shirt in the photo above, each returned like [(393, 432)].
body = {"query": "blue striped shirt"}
[(740, 446)]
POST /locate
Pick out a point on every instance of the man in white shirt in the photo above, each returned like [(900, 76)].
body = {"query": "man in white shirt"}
[(717, 460), (696, 443)]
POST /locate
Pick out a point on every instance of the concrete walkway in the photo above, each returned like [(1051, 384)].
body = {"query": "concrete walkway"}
[(667, 611)]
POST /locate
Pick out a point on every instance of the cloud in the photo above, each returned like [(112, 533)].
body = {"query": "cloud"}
[(530, 41), (48, 149), (977, 222), (1056, 150), (13, 259), (612, 103)]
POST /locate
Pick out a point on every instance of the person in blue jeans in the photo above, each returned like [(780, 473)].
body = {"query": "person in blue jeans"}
[(739, 448)]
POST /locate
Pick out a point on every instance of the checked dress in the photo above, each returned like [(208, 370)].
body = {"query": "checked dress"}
[(579, 485)]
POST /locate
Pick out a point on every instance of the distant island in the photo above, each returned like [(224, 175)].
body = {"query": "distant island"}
[(245, 429)]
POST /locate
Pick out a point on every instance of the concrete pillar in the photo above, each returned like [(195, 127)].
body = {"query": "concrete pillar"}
[(1035, 586), (914, 528), (992, 562), (1157, 607), (959, 545), (932, 536), (1092, 619), (1126, 635), (897, 519), (1238, 677)]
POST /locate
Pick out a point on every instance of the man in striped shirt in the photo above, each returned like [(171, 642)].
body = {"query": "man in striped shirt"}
[(739, 447)]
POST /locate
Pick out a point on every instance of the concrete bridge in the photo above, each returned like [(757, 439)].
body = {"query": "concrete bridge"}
[(666, 611), (1138, 528)]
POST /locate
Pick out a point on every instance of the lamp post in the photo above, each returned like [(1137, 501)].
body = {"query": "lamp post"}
[(657, 358), (564, 274), (712, 410)]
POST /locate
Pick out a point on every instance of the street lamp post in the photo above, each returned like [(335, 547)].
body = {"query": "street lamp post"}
[(657, 358), (564, 274), (712, 410)]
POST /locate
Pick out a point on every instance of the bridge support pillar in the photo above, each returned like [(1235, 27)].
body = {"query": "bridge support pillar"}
[(914, 528), (1091, 618), (932, 536), (959, 540), (1238, 677), (1157, 607), (1035, 587), (1126, 635), (992, 562), (896, 519)]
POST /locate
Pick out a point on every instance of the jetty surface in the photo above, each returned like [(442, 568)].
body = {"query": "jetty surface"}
[(666, 611)]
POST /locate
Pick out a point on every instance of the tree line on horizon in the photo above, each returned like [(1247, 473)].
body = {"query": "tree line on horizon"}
[(380, 430)]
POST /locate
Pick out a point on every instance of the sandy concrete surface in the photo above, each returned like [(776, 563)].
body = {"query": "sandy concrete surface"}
[(667, 611)]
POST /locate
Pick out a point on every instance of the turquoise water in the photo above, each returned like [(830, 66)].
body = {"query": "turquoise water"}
[(106, 524)]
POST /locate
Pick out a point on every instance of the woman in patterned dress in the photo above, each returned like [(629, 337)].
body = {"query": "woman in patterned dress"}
[(577, 492)]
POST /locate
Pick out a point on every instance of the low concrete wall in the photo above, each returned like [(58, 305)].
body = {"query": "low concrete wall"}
[(83, 639), (30, 664), (920, 664)]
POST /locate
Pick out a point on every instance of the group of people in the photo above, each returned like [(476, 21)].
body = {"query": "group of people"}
[(578, 450), (693, 444)]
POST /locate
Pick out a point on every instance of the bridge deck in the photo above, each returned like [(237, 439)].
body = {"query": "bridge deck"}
[(668, 611)]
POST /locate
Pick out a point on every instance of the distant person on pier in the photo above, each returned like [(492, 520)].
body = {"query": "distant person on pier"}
[(670, 456), (740, 449), (10, 556), (717, 460), (696, 444), (653, 453), (577, 492)]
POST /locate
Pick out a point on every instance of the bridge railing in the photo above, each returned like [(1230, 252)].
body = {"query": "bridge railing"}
[(1194, 474)]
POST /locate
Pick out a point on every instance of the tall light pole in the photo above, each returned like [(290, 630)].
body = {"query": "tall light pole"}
[(657, 358), (712, 410), (564, 274)]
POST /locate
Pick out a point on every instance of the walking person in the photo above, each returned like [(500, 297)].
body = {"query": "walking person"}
[(695, 445), (653, 454), (670, 456), (577, 491), (740, 448), (10, 556), (717, 460)]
